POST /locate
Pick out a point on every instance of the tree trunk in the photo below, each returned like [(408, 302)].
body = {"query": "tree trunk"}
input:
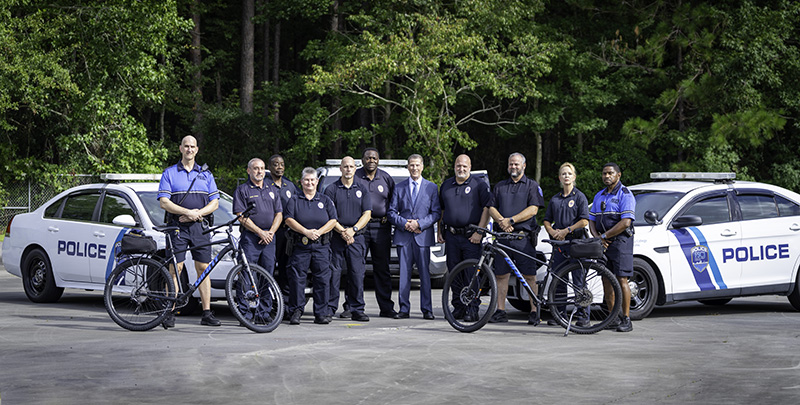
[(538, 172), (197, 77), (276, 70), (337, 102), (247, 70)]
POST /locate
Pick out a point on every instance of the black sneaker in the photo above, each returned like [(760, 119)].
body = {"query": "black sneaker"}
[(625, 325), (346, 314), (294, 319), (583, 323), (533, 318), (321, 320), (614, 324), (169, 321), (499, 316), (209, 319), (360, 317), (471, 315), (459, 312)]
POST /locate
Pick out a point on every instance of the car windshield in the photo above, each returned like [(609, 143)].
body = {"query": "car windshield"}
[(652, 200), (222, 215)]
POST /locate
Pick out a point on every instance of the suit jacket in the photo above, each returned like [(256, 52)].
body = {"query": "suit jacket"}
[(426, 211)]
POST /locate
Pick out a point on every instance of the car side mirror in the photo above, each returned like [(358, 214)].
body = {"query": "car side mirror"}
[(687, 220), (124, 220), (651, 217)]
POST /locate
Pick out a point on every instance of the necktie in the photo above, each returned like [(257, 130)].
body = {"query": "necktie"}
[(413, 192)]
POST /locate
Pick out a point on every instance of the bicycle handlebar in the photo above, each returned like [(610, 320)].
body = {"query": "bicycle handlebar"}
[(511, 235), (244, 214)]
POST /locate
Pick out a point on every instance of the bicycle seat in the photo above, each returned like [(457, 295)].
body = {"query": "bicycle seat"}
[(165, 228)]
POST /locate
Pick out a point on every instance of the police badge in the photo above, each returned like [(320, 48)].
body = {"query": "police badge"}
[(700, 258), (304, 240)]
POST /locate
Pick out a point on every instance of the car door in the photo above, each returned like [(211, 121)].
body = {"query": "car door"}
[(770, 241), (105, 234), (68, 236), (700, 268)]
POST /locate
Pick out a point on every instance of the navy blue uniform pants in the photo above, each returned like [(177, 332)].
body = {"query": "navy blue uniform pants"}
[(459, 248), (262, 255), (378, 239), (316, 256), (348, 259), (281, 260)]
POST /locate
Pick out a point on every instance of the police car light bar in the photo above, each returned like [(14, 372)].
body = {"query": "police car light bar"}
[(707, 176), (130, 176)]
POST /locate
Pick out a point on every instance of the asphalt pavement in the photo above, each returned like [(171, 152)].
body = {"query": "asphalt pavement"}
[(71, 352)]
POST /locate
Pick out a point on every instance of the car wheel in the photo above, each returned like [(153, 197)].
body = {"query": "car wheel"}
[(37, 278), (521, 305), (715, 302), (644, 289), (437, 282), (794, 297), (191, 307)]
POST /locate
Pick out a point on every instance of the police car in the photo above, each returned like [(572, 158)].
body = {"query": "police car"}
[(69, 241), (707, 237)]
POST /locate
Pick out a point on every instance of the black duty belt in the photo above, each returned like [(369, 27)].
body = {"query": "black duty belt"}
[(381, 220), (458, 231)]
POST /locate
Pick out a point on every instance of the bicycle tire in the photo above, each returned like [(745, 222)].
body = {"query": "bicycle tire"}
[(259, 306), (134, 291), (462, 292), (571, 303)]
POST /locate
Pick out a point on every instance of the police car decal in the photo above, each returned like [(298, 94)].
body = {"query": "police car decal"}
[(699, 257)]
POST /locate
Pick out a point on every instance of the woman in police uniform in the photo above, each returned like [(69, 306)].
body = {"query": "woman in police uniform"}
[(310, 216), (566, 218)]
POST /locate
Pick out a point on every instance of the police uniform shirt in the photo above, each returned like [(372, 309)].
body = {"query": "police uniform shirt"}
[(311, 214), (511, 198), (463, 203), (565, 211), (380, 190), (266, 199), (175, 182), (608, 208), (287, 190), (350, 202)]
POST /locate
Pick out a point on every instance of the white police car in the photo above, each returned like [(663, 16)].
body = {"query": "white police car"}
[(69, 241), (706, 237)]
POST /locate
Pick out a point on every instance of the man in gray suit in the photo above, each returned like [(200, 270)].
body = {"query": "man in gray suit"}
[(414, 209)]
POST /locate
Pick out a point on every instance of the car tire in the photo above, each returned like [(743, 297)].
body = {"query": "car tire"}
[(37, 278), (794, 297), (521, 305), (716, 301), (438, 282), (644, 289), (193, 306)]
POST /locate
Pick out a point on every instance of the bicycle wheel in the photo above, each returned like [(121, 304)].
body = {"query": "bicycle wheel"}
[(136, 294), (575, 297), (469, 296), (254, 298)]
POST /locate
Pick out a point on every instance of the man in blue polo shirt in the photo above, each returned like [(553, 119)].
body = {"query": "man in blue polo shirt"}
[(465, 201), (188, 193), (517, 199), (353, 209), (611, 219), (258, 230)]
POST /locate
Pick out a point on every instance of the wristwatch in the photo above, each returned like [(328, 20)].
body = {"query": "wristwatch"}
[(511, 221), (355, 228), (603, 236)]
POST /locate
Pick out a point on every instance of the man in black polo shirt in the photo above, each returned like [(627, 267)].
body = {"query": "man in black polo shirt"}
[(516, 202), (378, 235), (353, 209), (287, 190), (258, 230), (465, 201)]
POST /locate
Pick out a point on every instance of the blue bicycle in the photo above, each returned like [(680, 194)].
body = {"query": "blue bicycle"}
[(582, 295), (140, 291)]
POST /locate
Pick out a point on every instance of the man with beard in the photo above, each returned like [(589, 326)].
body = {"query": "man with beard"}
[(353, 210), (516, 202), (378, 235), (465, 201)]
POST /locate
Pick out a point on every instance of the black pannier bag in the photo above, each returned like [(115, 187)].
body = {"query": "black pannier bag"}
[(135, 242), (590, 248)]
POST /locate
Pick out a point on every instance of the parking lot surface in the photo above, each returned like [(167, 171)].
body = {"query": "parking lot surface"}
[(71, 352)]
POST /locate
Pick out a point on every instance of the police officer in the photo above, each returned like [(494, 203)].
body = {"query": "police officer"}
[(188, 193), (566, 218), (310, 216), (287, 190), (378, 235), (516, 202), (465, 201), (258, 230), (353, 209), (611, 219)]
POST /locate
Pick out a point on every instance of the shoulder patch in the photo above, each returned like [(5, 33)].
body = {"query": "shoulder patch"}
[(625, 190)]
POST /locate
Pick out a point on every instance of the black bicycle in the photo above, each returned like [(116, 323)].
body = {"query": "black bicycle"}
[(140, 291), (574, 292)]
